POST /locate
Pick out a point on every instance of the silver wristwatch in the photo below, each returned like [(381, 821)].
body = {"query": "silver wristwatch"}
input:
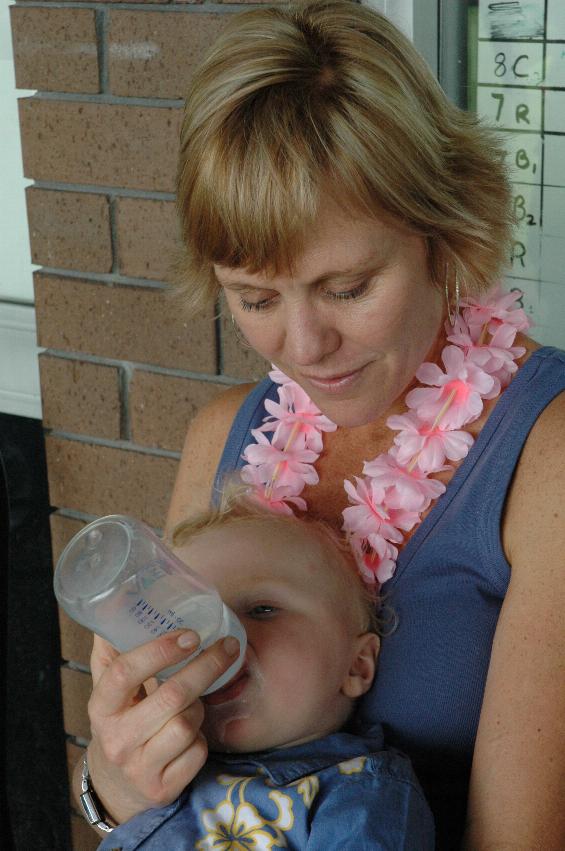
[(90, 803)]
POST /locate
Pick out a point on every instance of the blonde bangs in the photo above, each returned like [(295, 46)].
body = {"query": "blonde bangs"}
[(328, 98)]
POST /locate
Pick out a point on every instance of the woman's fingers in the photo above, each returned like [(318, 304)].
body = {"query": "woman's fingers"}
[(120, 680), (176, 737), (182, 770), (145, 751), (102, 656), (180, 691)]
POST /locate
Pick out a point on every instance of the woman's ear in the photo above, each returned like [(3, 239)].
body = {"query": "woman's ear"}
[(363, 665)]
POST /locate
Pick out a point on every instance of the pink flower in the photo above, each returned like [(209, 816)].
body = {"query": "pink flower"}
[(278, 376), (292, 468), (412, 490), (496, 356), (368, 514), (457, 400), (495, 308), (375, 557), (279, 497), (295, 419), (463, 335), (428, 446)]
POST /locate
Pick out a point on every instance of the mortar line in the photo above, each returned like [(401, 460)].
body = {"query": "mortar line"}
[(95, 189), (209, 378)]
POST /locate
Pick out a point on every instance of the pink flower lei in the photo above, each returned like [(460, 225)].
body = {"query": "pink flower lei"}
[(396, 487)]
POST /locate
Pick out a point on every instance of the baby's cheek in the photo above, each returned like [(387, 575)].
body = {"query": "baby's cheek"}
[(302, 666)]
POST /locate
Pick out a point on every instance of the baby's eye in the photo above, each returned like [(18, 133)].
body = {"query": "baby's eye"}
[(262, 611)]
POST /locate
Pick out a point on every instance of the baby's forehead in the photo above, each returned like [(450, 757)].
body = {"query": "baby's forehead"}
[(265, 548)]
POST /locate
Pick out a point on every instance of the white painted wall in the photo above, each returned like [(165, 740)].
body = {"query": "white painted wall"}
[(19, 371), (15, 262)]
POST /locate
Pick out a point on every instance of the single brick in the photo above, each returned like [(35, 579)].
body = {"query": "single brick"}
[(238, 361), (162, 406), (69, 230), (148, 237), (80, 397), (62, 530), (104, 480), (55, 50), (154, 55), (122, 322), (76, 687), (80, 142)]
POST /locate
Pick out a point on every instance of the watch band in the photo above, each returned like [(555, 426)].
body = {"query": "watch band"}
[(93, 811)]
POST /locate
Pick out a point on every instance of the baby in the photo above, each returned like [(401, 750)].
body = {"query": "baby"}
[(283, 769)]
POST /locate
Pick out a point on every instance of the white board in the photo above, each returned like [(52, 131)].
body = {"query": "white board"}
[(521, 91)]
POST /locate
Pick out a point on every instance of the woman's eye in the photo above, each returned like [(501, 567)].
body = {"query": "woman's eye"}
[(262, 611), (346, 295), (263, 304)]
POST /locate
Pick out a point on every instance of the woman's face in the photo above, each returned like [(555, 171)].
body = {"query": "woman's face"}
[(351, 322)]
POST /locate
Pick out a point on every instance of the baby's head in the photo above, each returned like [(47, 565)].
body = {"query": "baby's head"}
[(310, 624)]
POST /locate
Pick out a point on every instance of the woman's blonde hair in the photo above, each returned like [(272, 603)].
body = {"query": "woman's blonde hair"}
[(329, 97)]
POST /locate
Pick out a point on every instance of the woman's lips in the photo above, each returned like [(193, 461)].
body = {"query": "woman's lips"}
[(335, 383), (230, 691)]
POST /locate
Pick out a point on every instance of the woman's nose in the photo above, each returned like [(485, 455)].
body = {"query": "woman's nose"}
[(309, 337)]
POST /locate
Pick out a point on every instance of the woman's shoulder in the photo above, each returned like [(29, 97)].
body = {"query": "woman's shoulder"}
[(225, 405), (208, 431), (534, 516), (543, 454), (203, 446)]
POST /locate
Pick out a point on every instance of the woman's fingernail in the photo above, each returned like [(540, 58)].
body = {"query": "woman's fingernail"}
[(231, 645), (187, 640)]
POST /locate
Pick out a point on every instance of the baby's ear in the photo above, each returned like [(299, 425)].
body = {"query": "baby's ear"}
[(363, 665)]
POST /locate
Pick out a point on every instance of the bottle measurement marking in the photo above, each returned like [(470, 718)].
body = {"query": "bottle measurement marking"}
[(146, 615)]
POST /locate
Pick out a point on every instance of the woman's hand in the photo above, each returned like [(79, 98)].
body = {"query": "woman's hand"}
[(146, 742)]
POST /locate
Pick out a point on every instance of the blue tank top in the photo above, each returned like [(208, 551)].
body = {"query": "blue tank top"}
[(446, 594)]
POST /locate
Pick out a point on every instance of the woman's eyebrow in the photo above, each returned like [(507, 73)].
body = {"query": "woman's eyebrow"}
[(370, 264)]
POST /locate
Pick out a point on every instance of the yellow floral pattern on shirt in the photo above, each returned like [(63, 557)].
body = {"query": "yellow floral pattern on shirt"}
[(352, 766), (238, 825), (307, 788)]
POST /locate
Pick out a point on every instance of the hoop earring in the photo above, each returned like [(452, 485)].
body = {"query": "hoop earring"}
[(238, 335), (452, 316)]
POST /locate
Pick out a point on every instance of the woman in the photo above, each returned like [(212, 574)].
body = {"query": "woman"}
[(342, 206)]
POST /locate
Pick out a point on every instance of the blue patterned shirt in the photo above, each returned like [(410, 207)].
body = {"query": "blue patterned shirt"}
[(340, 792)]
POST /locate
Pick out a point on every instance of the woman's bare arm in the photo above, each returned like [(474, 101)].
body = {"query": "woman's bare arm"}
[(518, 775), (202, 451)]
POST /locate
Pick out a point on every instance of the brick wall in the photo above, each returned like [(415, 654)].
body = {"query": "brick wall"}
[(123, 371)]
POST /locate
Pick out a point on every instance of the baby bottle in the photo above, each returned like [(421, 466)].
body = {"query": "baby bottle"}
[(116, 578)]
